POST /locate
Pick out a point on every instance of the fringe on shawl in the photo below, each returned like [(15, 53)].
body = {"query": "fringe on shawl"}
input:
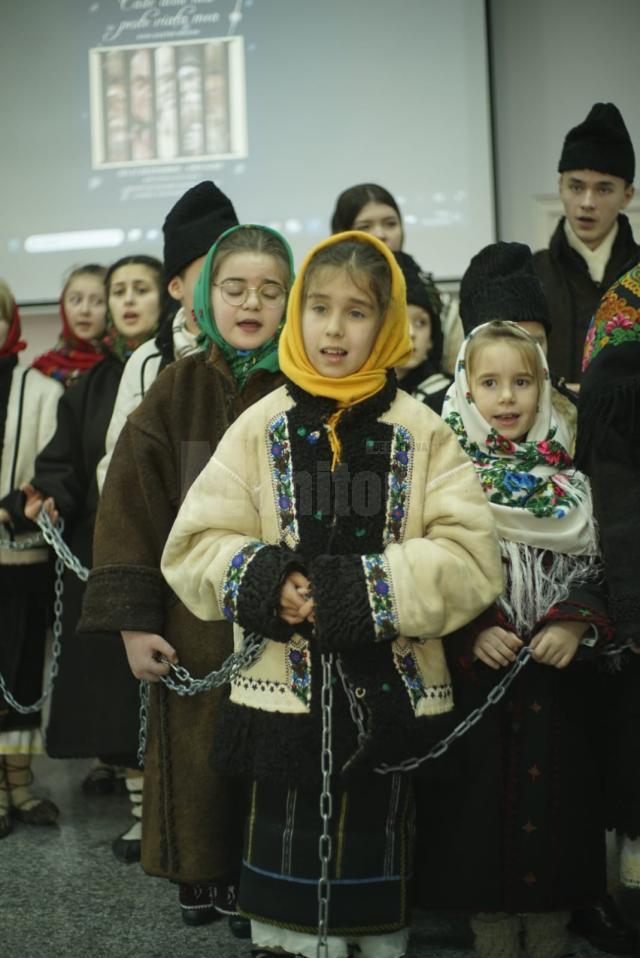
[(538, 579)]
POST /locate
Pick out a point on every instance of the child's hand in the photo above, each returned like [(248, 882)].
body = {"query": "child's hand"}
[(143, 651), (296, 603), (496, 647), (5, 518), (557, 643), (34, 502)]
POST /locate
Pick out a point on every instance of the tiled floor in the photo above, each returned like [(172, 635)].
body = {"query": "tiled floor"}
[(64, 895)]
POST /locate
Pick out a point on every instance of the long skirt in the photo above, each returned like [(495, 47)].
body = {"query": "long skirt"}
[(372, 831), (24, 604)]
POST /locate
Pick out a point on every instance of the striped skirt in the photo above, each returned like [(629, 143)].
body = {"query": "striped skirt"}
[(371, 863)]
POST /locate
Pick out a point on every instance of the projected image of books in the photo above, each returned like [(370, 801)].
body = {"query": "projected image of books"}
[(168, 102)]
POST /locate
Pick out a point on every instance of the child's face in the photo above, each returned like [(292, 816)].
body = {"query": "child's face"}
[(381, 221), (255, 283), (340, 322), (421, 339), (181, 287), (592, 202), (85, 306), (134, 300), (504, 389)]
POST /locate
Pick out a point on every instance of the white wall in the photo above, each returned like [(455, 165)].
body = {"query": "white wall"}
[(552, 60)]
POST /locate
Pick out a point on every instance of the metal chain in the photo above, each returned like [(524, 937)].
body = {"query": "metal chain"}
[(326, 806), (494, 696), (251, 650), (55, 651), (354, 706), (22, 545), (52, 535)]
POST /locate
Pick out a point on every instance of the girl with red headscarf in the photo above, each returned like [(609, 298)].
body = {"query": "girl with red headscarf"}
[(83, 309), (28, 402)]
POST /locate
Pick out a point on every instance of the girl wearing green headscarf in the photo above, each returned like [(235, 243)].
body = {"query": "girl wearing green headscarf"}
[(192, 829)]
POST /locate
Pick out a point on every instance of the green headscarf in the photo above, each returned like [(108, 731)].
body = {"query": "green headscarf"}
[(241, 362)]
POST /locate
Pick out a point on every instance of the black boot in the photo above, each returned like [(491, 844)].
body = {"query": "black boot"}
[(603, 926)]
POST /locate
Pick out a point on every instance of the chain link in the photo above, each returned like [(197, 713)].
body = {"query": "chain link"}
[(55, 651), (53, 536), (251, 650), (494, 696), (354, 706), (21, 545), (326, 806)]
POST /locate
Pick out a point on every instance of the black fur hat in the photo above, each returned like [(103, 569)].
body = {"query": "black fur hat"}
[(500, 283), (193, 225), (600, 143)]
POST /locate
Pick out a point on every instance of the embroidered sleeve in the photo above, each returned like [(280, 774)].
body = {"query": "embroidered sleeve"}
[(354, 601)]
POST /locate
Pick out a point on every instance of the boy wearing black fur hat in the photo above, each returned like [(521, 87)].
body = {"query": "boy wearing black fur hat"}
[(190, 228), (593, 244)]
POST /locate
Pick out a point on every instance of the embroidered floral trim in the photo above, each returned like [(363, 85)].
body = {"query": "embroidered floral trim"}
[(400, 469), (299, 670), (235, 574), (380, 591), (509, 481), (279, 448), (409, 671), (616, 321)]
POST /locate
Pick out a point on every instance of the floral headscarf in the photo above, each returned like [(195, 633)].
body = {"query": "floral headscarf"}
[(536, 494), (241, 362), (618, 318)]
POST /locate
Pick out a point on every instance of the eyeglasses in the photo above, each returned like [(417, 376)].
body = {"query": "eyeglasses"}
[(236, 293)]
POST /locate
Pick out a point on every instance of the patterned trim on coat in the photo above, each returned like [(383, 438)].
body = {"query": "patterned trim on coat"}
[(299, 669), (425, 699), (381, 598), (279, 452), (400, 470), (234, 576)]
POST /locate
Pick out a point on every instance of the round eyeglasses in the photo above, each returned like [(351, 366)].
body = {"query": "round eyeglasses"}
[(236, 293)]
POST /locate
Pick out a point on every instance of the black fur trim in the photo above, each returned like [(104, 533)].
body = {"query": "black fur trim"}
[(259, 595), (124, 597), (342, 611)]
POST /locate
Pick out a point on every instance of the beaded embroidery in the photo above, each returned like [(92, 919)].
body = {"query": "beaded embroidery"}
[(422, 696), (400, 469), (235, 574), (380, 592), (279, 446), (299, 669)]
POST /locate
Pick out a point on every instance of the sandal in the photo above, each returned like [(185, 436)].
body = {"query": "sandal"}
[(25, 806)]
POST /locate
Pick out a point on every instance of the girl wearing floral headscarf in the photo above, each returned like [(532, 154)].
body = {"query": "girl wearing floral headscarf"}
[(524, 836)]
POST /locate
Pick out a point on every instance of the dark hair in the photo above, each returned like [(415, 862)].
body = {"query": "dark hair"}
[(89, 269), (253, 239), (167, 306), (355, 258), (352, 200)]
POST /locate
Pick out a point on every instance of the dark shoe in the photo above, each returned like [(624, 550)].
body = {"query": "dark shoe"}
[(197, 904), (126, 850), (239, 927), (6, 824), (603, 926), (101, 780), (41, 812)]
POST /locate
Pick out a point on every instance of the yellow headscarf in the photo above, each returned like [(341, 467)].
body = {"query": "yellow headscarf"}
[(392, 346)]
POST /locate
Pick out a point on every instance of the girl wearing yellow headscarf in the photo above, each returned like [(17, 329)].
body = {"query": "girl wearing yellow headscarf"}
[(339, 520)]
